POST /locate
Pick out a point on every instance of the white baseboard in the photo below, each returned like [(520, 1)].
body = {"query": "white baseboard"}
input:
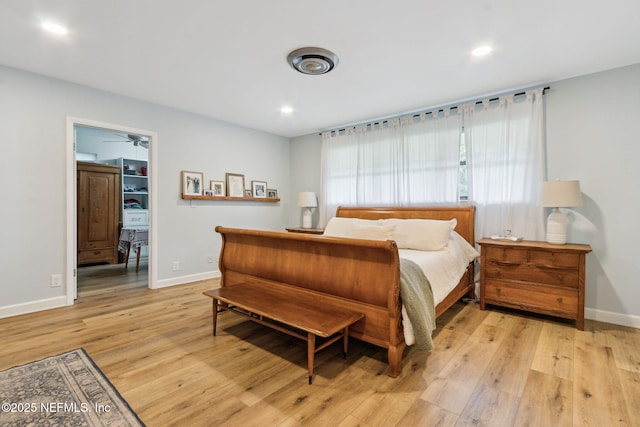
[(186, 279), (61, 301), (611, 317), (32, 306)]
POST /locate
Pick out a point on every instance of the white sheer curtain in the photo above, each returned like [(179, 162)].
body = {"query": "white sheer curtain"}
[(505, 164), (405, 161)]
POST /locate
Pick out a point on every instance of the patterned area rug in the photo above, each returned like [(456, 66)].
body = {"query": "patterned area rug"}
[(64, 390)]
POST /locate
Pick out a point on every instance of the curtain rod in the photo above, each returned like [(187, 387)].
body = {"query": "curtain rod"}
[(414, 115)]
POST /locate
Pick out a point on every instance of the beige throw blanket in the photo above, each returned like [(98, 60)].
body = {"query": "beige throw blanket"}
[(417, 298)]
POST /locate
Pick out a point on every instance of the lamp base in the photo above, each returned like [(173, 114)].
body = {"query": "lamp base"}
[(556, 227), (306, 218)]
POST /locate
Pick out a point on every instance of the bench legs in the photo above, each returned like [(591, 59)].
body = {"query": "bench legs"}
[(345, 342), (311, 348), (215, 315), (311, 351), (311, 339)]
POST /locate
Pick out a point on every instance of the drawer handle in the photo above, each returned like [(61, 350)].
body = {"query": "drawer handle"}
[(498, 271), (498, 290), (560, 277), (96, 252), (560, 300)]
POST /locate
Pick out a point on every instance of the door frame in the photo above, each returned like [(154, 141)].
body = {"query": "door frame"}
[(72, 220)]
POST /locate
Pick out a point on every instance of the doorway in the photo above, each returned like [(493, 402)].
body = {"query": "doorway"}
[(132, 153)]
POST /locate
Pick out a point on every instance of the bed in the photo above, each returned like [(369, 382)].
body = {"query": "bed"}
[(362, 274)]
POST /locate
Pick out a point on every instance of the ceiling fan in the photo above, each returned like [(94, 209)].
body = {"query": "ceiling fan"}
[(137, 140)]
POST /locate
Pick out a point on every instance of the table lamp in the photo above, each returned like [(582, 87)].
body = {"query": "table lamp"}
[(308, 201), (556, 195)]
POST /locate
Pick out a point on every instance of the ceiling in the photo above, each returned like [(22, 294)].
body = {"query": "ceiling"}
[(227, 60)]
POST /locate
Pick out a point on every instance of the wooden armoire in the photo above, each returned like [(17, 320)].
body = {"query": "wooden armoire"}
[(98, 189)]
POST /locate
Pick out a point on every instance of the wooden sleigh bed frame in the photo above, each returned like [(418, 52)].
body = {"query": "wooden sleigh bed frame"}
[(362, 275)]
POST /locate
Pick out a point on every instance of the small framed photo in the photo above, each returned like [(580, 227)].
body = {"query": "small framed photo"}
[(247, 193), (192, 183), (259, 189), (208, 193), (235, 185), (272, 193), (217, 188)]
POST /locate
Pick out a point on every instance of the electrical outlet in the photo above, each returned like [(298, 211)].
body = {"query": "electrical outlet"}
[(210, 259), (56, 280), (176, 266)]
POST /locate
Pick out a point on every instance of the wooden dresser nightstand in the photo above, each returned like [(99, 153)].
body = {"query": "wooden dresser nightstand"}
[(534, 276), (305, 230)]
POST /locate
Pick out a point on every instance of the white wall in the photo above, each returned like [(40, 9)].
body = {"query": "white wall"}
[(33, 114), (591, 137), (305, 174)]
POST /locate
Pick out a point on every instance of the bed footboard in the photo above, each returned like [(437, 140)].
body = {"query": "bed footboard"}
[(364, 274)]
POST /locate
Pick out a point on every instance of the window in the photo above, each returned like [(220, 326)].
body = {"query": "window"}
[(494, 161), (403, 162)]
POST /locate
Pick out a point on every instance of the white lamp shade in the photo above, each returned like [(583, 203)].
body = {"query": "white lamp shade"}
[(561, 194), (307, 199)]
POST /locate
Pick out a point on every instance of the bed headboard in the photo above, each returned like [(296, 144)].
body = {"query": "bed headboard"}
[(463, 214)]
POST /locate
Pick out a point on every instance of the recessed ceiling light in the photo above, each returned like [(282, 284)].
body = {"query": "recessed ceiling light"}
[(54, 28), (286, 110), (482, 50)]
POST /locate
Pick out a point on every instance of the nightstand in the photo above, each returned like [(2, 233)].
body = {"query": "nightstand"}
[(305, 230), (534, 276)]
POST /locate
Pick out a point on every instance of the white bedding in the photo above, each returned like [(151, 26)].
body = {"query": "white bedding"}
[(443, 269)]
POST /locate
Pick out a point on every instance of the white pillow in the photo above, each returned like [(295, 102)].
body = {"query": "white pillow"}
[(341, 227), (338, 227), (468, 252), (422, 234), (372, 232)]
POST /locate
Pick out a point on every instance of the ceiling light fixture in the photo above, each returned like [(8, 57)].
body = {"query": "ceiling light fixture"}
[(312, 60), (54, 28), (286, 110), (482, 51)]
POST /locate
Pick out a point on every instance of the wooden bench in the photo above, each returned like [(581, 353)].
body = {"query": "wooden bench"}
[(275, 305)]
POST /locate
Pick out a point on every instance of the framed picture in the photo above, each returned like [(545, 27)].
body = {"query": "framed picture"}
[(247, 193), (217, 187), (235, 185), (272, 193), (259, 189), (192, 183), (208, 193)]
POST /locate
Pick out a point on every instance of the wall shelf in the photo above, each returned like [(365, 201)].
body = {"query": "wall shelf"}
[(231, 199)]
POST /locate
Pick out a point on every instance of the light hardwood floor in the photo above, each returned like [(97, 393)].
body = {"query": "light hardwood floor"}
[(492, 368)]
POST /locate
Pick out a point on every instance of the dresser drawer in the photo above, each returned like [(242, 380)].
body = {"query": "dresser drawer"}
[(532, 273), (557, 301), (510, 255), (533, 256), (97, 255), (554, 259)]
